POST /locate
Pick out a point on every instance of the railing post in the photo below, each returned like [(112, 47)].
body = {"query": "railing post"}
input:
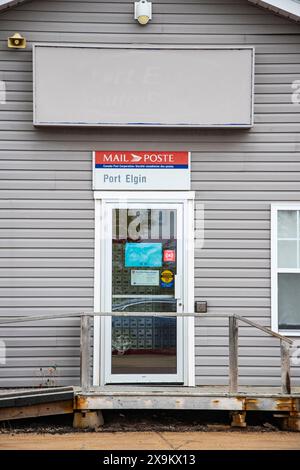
[(285, 367), (85, 353), (233, 354)]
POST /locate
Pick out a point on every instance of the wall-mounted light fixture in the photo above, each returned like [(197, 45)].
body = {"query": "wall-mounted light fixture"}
[(17, 41), (143, 11)]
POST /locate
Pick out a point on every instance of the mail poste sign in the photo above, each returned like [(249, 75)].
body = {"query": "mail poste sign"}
[(146, 170)]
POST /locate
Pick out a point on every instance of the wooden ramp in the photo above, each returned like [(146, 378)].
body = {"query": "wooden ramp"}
[(32, 403)]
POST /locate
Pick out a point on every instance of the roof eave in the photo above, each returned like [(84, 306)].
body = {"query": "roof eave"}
[(4, 4), (287, 8)]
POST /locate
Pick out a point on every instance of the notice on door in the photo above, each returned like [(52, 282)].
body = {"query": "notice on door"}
[(136, 170), (144, 278)]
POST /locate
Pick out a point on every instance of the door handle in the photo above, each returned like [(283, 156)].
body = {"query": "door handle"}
[(178, 293)]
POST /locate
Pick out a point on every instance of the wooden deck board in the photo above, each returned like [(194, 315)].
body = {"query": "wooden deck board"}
[(215, 390), (189, 398)]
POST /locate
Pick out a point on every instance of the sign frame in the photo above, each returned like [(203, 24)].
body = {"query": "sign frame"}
[(228, 123), (184, 184)]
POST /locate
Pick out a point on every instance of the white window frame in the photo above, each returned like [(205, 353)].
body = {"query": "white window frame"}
[(275, 270), (182, 197)]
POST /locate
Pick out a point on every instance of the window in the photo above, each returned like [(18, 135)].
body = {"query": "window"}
[(286, 269)]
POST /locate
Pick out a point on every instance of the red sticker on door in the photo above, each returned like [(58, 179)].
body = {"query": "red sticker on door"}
[(169, 256)]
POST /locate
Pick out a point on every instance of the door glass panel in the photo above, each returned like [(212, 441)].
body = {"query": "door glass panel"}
[(144, 264)]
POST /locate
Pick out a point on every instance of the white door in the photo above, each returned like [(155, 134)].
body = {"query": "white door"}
[(142, 270)]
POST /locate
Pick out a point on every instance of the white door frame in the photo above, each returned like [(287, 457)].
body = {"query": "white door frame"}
[(186, 199)]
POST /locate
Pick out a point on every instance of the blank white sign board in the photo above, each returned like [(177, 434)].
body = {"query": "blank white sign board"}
[(143, 86)]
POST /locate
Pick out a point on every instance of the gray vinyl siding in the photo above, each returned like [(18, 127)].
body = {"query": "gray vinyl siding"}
[(46, 199)]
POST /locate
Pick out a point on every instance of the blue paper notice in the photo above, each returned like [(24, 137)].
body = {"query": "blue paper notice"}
[(143, 255)]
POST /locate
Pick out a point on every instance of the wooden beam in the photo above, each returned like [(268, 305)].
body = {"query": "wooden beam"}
[(161, 402), (285, 368), (143, 314), (264, 329), (35, 398), (34, 411), (88, 419), (233, 355), (14, 393), (85, 353), (53, 316), (238, 419), (200, 401)]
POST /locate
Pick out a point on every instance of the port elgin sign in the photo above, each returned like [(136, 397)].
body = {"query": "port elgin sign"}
[(140, 171)]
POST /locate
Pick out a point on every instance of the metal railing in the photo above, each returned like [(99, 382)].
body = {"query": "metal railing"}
[(85, 340)]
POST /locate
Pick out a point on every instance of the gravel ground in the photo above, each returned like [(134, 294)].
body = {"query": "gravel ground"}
[(145, 421)]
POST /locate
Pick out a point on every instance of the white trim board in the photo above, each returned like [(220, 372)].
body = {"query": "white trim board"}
[(186, 198), (274, 270)]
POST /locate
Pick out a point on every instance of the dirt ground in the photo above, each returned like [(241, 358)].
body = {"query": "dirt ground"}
[(153, 441)]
